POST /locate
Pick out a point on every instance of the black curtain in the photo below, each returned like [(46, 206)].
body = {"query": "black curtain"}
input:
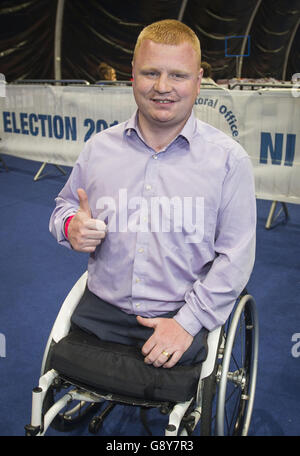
[(272, 30), (106, 31), (97, 31), (26, 38)]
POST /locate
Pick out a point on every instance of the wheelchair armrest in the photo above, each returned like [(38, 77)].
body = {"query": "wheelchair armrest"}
[(62, 323), (213, 342)]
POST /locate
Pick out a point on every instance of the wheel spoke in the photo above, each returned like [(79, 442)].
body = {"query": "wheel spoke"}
[(234, 413)]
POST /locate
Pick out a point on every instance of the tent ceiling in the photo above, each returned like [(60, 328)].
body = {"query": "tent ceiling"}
[(106, 30)]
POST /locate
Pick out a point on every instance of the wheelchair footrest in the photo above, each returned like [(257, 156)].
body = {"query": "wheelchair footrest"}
[(120, 369)]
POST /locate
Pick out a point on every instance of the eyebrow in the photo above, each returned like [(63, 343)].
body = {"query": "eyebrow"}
[(173, 71)]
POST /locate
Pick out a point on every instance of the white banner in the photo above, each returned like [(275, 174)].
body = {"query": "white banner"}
[(51, 124)]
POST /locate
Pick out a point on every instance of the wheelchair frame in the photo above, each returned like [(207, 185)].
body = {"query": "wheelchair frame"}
[(216, 374)]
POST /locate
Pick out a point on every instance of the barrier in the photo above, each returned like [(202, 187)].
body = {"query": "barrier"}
[(50, 123)]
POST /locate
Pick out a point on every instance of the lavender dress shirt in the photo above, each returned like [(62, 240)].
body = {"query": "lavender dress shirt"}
[(181, 222)]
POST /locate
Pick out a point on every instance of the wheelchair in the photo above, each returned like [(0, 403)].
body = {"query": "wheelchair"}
[(217, 400)]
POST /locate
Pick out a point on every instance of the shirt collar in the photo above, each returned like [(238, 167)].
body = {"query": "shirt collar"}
[(187, 131), (132, 124)]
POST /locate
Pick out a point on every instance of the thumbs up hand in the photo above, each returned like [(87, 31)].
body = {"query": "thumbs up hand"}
[(84, 232)]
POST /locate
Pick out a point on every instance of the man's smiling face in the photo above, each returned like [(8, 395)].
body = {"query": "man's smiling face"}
[(166, 82)]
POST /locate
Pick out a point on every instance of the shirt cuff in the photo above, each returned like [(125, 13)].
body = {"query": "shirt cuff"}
[(187, 319)]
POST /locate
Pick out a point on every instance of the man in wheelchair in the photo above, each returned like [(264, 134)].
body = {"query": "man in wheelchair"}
[(165, 205)]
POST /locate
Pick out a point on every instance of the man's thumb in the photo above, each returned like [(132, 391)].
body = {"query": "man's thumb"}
[(83, 201)]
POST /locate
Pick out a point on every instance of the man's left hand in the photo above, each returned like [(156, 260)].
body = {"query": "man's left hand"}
[(168, 342)]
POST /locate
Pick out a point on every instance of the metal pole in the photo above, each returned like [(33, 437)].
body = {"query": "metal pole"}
[(240, 61), (182, 9), (57, 63), (57, 38), (288, 49)]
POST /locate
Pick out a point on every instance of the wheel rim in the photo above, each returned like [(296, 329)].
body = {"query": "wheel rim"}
[(237, 375)]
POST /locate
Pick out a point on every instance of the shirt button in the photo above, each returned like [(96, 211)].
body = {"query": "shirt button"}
[(154, 156), (141, 250), (138, 304), (137, 280), (148, 187)]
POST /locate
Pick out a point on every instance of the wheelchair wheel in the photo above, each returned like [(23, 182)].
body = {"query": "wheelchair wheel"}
[(228, 393)]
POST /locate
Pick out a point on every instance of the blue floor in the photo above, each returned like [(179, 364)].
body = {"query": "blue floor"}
[(36, 275)]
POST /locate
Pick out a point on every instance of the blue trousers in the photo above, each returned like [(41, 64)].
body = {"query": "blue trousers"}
[(111, 324)]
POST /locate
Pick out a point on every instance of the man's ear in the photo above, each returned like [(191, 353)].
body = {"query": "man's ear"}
[(200, 75)]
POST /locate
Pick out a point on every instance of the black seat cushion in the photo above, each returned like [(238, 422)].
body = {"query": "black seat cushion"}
[(119, 369)]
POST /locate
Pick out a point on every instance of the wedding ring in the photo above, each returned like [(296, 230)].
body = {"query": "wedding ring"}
[(165, 353)]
